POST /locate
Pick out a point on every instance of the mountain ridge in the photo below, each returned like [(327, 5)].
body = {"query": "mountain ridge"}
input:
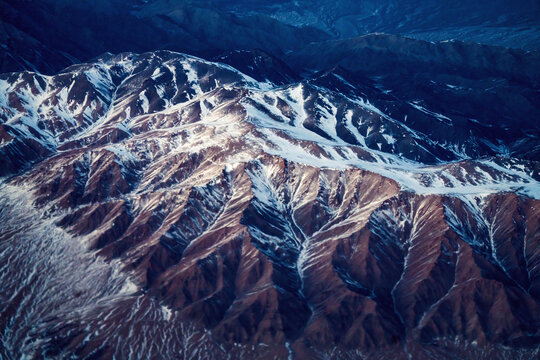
[(269, 220)]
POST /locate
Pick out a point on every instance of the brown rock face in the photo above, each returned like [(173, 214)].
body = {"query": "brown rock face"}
[(163, 205)]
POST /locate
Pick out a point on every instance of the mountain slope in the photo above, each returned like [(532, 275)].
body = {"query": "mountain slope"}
[(240, 216)]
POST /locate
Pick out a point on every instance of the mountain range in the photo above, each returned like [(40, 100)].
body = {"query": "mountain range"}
[(48, 35), (263, 180)]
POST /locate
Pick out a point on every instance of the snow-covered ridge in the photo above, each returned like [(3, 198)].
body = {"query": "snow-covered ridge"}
[(138, 97), (287, 136)]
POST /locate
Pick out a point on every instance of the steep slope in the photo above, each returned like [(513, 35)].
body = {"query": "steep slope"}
[(254, 219)]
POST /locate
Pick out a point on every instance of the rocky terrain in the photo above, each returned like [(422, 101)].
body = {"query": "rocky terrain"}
[(166, 206)]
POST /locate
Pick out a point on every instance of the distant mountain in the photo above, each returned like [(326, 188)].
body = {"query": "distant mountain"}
[(54, 29), (500, 22), (165, 205), (66, 32)]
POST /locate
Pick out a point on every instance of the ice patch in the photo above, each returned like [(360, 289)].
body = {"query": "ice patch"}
[(145, 104)]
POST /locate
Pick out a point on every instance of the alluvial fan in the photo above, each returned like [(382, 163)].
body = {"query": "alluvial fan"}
[(164, 206)]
